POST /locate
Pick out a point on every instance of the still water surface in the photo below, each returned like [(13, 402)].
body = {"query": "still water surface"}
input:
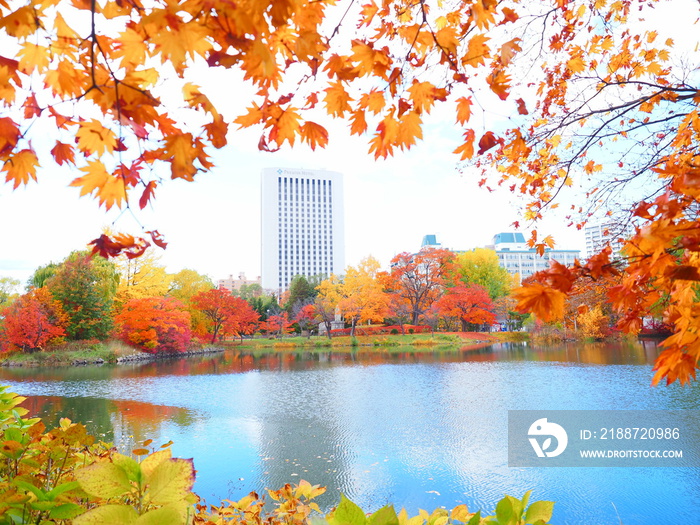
[(416, 429)]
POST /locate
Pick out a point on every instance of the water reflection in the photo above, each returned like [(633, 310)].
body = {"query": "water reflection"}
[(416, 428)]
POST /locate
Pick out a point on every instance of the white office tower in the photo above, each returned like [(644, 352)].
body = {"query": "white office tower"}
[(303, 230), (611, 232)]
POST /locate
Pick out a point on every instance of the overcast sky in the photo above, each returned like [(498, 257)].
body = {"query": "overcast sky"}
[(213, 225)]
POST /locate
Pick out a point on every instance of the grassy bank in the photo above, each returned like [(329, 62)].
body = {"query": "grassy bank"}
[(416, 340), (74, 352)]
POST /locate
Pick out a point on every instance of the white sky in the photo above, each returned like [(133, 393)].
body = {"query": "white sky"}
[(213, 225)]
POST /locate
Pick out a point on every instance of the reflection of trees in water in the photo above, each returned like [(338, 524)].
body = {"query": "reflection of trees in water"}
[(121, 422), (94, 413)]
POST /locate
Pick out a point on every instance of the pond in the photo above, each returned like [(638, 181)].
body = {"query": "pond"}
[(419, 429)]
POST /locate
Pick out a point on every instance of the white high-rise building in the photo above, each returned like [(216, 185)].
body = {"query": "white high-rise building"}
[(611, 232), (303, 230)]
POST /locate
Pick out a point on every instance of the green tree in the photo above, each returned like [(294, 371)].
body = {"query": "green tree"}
[(85, 286), (480, 266), (265, 306), (8, 290), (301, 293), (41, 275)]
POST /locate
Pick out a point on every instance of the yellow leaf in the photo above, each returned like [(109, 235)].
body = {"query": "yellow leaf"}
[(409, 130), (103, 479), (131, 47), (286, 128), (33, 57), (104, 514), (576, 64), (447, 39), (477, 51), (423, 95), (93, 137), (170, 481), (20, 167), (337, 100), (108, 189)]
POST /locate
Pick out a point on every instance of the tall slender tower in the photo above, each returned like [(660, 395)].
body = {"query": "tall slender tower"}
[(303, 230)]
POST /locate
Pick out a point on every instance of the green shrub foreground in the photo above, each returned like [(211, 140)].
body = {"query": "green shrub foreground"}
[(66, 476)]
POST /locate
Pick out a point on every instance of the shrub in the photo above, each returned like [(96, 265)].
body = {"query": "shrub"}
[(394, 331)]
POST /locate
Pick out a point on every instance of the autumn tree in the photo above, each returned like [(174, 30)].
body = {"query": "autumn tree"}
[(362, 297), (85, 286), (326, 302), (278, 324), (304, 317), (8, 290), (33, 321), (481, 266), (184, 285), (155, 324), (227, 315), (421, 278), (470, 304), (596, 98), (142, 277)]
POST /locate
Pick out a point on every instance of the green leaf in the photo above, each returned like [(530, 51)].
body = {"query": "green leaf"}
[(29, 487), (347, 513), (384, 516), (66, 511), (63, 487), (476, 518), (108, 515), (161, 516), (170, 482), (130, 466), (539, 510), (526, 499), (505, 513), (104, 480)]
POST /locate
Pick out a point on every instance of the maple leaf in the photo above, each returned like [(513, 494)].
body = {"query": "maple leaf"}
[(337, 100), (522, 109), (477, 51), (464, 110), (547, 304), (93, 137), (147, 194), (486, 142), (9, 135), (314, 134), (63, 153), (180, 151), (216, 131), (467, 148), (498, 81), (20, 167)]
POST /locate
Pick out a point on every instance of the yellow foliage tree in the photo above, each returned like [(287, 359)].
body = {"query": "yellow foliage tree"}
[(362, 296)]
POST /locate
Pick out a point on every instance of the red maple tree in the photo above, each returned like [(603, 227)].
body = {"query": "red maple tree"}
[(33, 321)]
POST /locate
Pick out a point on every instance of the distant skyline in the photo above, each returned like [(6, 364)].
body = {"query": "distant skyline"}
[(212, 225)]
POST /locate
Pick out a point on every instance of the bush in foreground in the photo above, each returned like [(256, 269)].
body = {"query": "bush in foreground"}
[(66, 476)]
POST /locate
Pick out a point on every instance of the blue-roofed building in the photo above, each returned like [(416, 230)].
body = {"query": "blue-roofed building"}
[(515, 256)]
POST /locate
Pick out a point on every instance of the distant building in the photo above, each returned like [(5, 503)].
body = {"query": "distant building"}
[(515, 256), (232, 284), (303, 230), (430, 241), (610, 232)]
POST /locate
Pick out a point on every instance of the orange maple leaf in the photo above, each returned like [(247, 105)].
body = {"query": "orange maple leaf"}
[(63, 153), (546, 303), (20, 167), (467, 148), (314, 134)]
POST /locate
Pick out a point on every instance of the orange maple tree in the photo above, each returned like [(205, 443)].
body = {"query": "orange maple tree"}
[(470, 304), (596, 97), (155, 324), (227, 315)]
